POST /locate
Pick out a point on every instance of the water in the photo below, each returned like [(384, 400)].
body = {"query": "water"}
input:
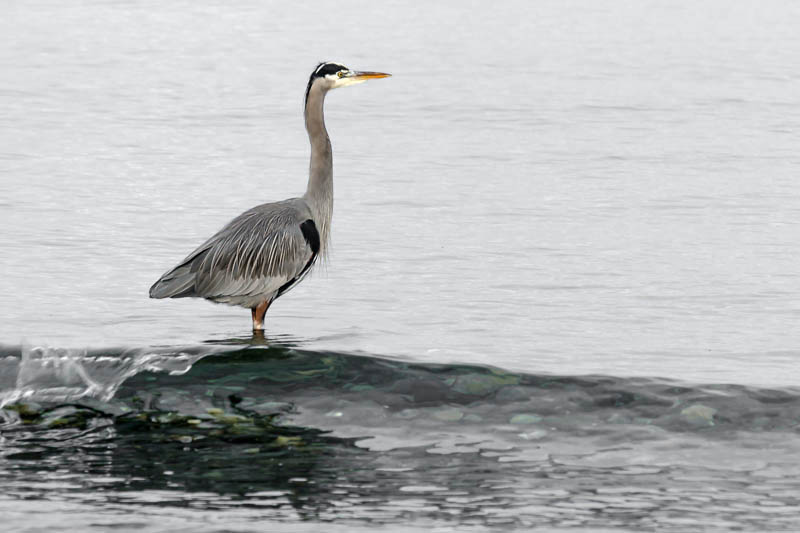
[(286, 434), (562, 291)]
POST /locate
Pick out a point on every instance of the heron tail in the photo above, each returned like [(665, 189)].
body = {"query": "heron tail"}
[(180, 281), (177, 283)]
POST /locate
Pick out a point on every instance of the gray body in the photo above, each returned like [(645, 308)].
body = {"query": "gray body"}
[(248, 261), (266, 250)]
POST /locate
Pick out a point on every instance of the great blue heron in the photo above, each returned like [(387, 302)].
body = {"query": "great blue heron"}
[(267, 250)]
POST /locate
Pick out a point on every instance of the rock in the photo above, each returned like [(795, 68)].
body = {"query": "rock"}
[(536, 434), (422, 391), (361, 387), (699, 414), (482, 384), (28, 411), (284, 441), (448, 414), (619, 418), (68, 416), (512, 394), (525, 419), (271, 408)]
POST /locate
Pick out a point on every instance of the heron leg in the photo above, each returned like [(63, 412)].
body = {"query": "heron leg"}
[(258, 313)]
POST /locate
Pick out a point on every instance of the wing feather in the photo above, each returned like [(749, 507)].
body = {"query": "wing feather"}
[(264, 250)]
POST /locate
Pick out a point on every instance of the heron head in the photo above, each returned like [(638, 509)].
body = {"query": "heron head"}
[(331, 75)]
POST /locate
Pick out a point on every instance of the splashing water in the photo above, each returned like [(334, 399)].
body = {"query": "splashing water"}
[(45, 374)]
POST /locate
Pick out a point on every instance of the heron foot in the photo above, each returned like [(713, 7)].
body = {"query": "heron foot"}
[(258, 313)]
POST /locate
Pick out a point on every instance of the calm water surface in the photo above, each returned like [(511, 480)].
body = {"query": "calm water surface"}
[(561, 190)]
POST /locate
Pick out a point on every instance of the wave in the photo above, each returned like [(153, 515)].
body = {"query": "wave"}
[(277, 431), (237, 377)]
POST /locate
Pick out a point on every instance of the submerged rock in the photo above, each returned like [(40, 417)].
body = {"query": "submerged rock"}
[(699, 414), (448, 414), (28, 412), (482, 384), (619, 418), (284, 441), (422, 391), (407, 413), (266, 408), (361, 387), (68, 416), (525, 419), (509, 394), (536, 434)]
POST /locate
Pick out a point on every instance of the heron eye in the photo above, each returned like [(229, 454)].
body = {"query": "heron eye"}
[(340, 74)]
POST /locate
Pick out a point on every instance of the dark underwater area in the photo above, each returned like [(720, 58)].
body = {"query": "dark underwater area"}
[(286, 433)]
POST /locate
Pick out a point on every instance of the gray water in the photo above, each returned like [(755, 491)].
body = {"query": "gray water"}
[(551, 188)]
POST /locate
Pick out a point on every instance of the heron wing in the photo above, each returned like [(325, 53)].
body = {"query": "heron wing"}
[(264, 250)]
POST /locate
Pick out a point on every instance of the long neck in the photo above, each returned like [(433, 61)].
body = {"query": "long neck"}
[(319, 193)]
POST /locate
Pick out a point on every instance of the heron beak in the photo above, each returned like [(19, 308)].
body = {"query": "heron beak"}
[(364, 76)]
